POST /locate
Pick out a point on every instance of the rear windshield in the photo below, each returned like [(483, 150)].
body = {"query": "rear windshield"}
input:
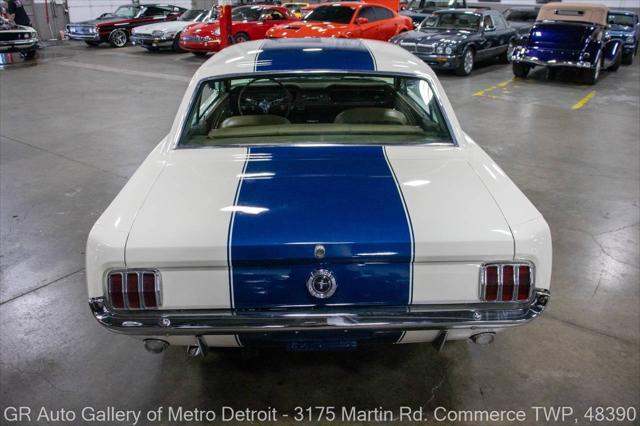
[(521, 15), (313, 108), (332, 13), (620, 19)]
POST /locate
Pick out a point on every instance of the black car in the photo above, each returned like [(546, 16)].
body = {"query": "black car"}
[(115, 28), (522, 18), (419, 10), (457, 39)]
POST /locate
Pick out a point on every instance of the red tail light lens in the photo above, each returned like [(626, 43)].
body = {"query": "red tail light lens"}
[(116, 295), (134, 290), (506, 282), (525, 282), (491, 284)]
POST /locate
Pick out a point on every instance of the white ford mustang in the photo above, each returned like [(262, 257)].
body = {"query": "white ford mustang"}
[(317, 194)]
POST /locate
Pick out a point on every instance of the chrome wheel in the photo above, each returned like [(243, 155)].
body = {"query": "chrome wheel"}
[(468, 62), (118, 38)]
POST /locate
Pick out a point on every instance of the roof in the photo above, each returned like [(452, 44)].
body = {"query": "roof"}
[(476, 11), (574, 12), (312, 55)]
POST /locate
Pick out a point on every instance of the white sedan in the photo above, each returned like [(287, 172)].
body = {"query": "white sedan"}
[(317, 194)]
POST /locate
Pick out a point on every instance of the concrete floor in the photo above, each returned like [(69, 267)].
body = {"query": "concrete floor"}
[(77, 123)]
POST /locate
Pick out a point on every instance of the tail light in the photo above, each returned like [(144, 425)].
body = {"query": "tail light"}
[(134, 290), (506, 282)]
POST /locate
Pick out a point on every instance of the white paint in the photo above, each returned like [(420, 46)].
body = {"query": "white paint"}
[(174, 211)]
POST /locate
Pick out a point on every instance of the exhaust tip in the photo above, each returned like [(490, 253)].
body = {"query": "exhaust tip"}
[(483, 338), (155, 346)]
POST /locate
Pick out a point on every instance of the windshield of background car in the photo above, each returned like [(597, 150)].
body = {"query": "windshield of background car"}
[(126, 12), (620, 19), (192, 15), (331, 13), (454, 21), (433, 4), (315, 108), (250, 13), (521, 15)]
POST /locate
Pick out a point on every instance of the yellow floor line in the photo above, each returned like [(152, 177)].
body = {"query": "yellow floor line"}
[(582, 102), (492, 88)]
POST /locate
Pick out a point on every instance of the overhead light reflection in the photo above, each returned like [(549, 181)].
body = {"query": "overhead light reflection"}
[(417, 182), (245, 209)]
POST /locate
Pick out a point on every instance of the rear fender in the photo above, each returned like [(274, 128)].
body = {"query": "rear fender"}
[(611, 52)]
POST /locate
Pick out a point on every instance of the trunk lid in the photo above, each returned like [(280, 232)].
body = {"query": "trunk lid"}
[(267, 224), (560, 35)]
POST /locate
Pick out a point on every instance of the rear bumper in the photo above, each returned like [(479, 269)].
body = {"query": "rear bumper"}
[(417, 317), (562, 59)]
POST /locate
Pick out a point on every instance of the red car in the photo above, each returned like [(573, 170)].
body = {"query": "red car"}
[(248, 23), (346, 20)]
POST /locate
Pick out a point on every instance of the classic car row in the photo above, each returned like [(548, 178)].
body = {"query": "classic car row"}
[(584, 36)]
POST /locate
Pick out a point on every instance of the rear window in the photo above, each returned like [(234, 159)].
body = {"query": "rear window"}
[(315, 108), (332, 13)]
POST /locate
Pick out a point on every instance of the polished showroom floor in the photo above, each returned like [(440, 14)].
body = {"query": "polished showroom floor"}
[(75, 125)]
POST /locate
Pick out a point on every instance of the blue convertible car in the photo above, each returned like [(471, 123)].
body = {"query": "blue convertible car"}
[(569, 36)]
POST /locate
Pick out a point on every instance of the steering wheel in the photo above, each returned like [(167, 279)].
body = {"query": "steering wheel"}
[(264, 105)]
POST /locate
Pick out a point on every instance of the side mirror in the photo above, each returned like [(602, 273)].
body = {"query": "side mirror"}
[(489, 29), (361, 21)]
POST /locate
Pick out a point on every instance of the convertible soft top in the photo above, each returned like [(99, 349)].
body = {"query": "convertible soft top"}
[(578, 12)]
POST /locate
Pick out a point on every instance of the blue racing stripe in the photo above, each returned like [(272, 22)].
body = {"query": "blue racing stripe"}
[(313, 53), (292, 198)]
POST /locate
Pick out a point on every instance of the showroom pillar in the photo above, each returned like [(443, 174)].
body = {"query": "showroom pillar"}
[(226, 32)]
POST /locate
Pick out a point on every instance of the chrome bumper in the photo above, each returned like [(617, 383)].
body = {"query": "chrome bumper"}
[(17, 45), (83, 37), (416, 317), (151, 41)]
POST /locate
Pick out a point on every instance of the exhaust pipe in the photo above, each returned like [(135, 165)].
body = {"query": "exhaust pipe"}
[(483, 338), (200, 349), (155, 346)]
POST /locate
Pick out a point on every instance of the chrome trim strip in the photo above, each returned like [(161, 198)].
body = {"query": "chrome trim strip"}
[(516, 283), (416, 317)]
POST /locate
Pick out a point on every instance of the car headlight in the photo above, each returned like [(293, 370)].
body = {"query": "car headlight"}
[(216, 32), (96, 30), (448, 50), (170, 35), (630, 40), (157, 34), (439, 49)]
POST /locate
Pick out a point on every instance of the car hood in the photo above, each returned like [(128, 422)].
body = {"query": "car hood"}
[(434, 36), (560, 35), (620, 30), (205, 28), (10, 26), (168, 26), (274, 204), (308, 29), (98, 21)]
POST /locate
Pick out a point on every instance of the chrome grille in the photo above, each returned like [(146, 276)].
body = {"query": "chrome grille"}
[(425, 48), (77, 29)]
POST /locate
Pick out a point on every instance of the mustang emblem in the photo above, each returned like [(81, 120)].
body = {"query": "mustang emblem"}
[(321, 284)]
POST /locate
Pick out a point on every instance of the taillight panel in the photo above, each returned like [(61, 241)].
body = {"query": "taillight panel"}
[(134, 289), (506, 282)]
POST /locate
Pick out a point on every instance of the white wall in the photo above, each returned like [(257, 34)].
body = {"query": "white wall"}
[(632, 4), (82, 10)]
